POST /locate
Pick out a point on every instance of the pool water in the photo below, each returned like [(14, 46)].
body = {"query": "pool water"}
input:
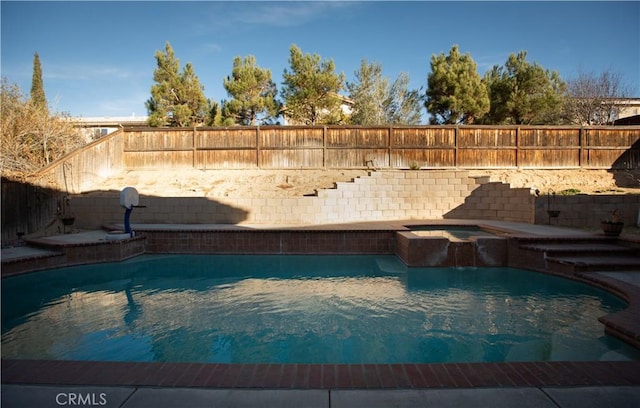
[(457, 233), (302, 309)]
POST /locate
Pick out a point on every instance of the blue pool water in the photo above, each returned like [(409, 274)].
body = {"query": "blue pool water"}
[(302, 309)]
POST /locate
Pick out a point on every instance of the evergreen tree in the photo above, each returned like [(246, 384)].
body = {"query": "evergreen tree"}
[(376, 102), (38, 98), (524, 93), (252, 91), (310, 89), (177, 98), (455, 93)]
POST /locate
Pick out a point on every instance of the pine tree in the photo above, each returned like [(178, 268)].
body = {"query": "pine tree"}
[(524, 93), (310, 89), (252, 91), (455, 93), (38, 98), (177, 99)]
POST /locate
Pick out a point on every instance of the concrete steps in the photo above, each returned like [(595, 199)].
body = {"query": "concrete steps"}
[(573, 255)]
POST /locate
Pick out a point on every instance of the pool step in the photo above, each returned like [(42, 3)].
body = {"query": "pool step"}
[(599, 263), (573, 255), (595, 248)]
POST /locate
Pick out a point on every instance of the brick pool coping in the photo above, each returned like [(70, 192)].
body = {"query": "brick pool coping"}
[(321, 376)]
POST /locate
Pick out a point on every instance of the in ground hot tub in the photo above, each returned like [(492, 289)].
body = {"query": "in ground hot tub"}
[(451, 245)]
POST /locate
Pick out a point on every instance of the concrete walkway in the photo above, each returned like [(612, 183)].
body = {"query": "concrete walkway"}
[(123, 397)]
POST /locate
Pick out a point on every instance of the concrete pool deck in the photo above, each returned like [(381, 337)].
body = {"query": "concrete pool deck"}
[(540, 384), (125, 397), (98, 236)]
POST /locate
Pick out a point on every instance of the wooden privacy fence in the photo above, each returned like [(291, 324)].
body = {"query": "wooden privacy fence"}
[(280, 147)]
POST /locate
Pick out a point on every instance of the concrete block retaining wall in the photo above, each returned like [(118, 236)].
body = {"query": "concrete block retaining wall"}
[(587, 211), (383, 195)]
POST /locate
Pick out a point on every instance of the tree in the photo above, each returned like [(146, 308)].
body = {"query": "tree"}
[(404, 105), (177, 99), (523, 93), (370, 95), (38, 98), (455, 91), (252, 91), (591, 98), (376, 102), (310, 89), (31, 137)]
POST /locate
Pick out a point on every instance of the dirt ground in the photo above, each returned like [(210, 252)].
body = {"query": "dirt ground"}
[(291, 183)]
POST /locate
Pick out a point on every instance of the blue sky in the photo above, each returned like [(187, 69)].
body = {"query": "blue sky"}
[(98, 57)]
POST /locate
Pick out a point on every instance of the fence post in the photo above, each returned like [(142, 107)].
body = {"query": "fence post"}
[(517, 161), (324, 146), (581, 147), (455, 146), (258, 147), (193, 148), (390, 148)]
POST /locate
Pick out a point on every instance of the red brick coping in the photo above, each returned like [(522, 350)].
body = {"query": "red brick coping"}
[(321, 376)]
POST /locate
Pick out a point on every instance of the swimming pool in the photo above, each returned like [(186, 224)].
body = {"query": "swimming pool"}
[(302, 309)]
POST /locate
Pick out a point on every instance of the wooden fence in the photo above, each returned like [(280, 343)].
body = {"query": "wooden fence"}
[(289, 147), (27, 208), (277, 147)]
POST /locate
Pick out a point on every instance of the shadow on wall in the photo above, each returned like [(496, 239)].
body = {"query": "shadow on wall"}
[(496, 201), (27, 208), (587, 211), (626, 168), (94, 210)]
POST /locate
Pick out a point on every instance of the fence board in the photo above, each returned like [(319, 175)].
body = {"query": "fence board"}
[(612, 137), (285, 137), (355, 158), (158, 140), (27, 208), (615, 159), (225, 159), (423, 137), (486, 158), (291, 158), (549, 158), (408, 158), (158, 159), (486, 137), (357, 137), (549, 137), (226, 138)]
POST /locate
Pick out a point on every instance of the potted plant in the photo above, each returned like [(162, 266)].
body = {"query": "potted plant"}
[(613, 226)]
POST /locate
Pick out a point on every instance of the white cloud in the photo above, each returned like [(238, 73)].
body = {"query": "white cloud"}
[(275, 14), (212, 48), (80, 72), (486, 62)]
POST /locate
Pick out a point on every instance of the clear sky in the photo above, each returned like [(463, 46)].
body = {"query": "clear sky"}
[(98, 57)]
